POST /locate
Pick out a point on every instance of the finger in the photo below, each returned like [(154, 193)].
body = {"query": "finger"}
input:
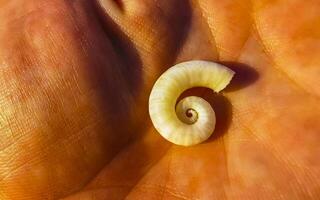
[(161, 30)]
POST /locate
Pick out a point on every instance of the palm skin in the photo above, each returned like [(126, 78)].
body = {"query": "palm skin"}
[(75, 78)]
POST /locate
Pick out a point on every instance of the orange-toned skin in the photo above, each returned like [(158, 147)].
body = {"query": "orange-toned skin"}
[(75, 77)]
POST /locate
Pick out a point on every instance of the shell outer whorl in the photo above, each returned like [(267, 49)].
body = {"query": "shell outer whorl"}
[(170, 120)]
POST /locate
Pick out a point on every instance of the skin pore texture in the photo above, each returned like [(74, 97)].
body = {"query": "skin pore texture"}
[(76, 75)]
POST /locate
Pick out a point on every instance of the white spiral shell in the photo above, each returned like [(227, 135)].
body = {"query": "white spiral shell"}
[(192, 121)]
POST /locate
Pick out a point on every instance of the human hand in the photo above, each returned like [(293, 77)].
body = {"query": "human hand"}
[(75, 77)]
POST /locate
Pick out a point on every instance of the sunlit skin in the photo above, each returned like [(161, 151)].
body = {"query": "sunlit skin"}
[(75, 78)]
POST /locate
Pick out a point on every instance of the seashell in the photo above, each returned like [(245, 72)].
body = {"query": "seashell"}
[(192, 120)]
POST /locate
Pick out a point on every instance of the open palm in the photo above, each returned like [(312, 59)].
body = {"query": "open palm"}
[(75, 77)]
